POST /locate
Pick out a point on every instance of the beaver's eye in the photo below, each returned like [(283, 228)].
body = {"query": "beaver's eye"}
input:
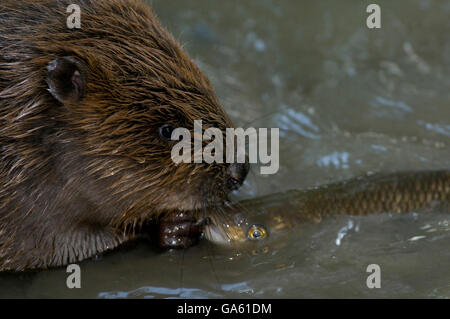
[(257, 232), (165, 132)]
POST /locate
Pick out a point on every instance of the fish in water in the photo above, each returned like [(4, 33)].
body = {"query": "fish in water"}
[(400, 192)]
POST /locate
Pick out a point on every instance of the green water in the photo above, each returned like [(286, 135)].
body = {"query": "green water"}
[(347, 100)]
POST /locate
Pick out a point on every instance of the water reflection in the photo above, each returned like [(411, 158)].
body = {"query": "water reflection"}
[(159, 292)]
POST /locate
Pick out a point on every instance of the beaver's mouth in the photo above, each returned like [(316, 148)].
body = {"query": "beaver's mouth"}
[(184, 202), (190, 198), (175, 202)]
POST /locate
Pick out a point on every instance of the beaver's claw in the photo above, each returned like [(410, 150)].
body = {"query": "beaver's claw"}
[(178, 231)]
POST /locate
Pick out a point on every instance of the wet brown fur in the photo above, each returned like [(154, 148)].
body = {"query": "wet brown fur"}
[(78, 179)]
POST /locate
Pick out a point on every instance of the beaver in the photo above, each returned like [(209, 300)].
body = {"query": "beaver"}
[(86, 117)]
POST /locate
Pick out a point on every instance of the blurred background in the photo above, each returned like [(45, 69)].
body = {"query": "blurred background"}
[(348, 100)]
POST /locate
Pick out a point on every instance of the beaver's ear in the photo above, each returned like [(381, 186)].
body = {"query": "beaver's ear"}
[(66, 79)]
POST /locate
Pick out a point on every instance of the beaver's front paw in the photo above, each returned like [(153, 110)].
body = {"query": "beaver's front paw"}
[(178, 231)]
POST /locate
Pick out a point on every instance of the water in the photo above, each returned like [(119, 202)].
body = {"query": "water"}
[(348, 100)]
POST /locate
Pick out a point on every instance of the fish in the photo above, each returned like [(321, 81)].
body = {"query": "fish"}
[(400, 192)]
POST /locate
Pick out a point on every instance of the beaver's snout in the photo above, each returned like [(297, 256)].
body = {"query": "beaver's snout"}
[(237, 174)]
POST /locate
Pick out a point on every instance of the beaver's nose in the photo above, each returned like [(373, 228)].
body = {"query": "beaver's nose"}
[(237, 172)]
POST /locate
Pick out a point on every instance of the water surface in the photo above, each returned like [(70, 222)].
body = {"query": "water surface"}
[(347, 100)]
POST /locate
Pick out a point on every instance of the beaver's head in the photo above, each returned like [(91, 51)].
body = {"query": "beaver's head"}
[(110, 94)]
